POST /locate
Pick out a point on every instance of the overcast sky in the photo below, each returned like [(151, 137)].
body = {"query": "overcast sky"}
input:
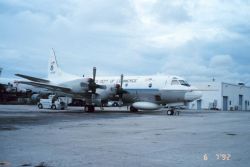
[(197, 40)]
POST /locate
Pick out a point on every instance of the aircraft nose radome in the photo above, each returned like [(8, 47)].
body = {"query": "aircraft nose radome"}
[(190, 96)]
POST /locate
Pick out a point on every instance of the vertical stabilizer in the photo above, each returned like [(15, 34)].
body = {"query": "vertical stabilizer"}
[(53, 69), (55, 74)]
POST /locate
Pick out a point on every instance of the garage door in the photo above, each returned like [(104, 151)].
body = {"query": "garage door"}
[(225, 103)]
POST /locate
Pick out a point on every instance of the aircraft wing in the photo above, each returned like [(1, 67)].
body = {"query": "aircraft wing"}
[(34, 79), (47, 86)]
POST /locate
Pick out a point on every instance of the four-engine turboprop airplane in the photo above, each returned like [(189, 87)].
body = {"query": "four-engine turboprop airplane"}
[(140, 92)]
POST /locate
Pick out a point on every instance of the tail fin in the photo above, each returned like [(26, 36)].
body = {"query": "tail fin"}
[(55, 74), (53, 69)]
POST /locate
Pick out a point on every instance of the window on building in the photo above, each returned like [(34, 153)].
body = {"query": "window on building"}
[(230, 103)]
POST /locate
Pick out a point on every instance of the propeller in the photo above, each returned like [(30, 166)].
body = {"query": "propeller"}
[(93, 86)]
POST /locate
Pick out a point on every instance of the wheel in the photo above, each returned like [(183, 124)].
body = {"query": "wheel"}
[(62, 105), (53, 106), (40, 106), (115, 104), (170, 112), (89, 108), (133, 109), (92, 109)]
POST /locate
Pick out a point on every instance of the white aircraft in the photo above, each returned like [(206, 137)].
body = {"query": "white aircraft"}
[(140, 92)]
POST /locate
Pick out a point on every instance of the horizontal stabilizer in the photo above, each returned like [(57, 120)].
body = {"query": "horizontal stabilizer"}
[(32, 78)]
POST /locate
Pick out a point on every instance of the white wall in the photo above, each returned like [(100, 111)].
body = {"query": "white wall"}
[(216, 93), (233, 91), (211, 92)]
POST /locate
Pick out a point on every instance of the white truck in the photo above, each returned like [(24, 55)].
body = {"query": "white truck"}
[(54, 102), (114, 104)]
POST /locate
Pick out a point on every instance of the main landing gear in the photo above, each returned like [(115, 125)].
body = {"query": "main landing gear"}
[(173, 112), (89, 108), (133, 109)]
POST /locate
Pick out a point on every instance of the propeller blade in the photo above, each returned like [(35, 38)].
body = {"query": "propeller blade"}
[(120, 89), (121, 80), (94, 74)]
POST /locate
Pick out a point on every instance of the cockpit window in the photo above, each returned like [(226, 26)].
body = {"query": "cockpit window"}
[(175, 82), (184, 83)]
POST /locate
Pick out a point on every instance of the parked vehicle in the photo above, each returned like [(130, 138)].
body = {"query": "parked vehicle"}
[(114, 104), (53, 102)]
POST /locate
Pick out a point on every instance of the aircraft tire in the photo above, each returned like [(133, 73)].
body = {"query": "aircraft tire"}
[(133, 109), (53, 106), (170, 112), (115, 104), (89, 108), (92, 108), (40, 106)]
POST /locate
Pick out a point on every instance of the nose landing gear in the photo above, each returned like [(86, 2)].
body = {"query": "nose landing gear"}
[(170, 112), (89, 108), (173, 112)]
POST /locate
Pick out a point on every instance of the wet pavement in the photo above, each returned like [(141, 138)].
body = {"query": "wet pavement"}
[(115, 137)]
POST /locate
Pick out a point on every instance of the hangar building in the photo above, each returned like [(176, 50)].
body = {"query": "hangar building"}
[(222, 96)]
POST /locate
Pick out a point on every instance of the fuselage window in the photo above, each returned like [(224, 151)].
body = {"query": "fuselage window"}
[(175, 82)]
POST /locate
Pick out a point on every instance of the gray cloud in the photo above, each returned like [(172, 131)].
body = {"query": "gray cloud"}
[(195, 39), (169, 12)]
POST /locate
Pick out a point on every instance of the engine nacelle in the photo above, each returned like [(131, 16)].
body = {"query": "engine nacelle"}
[(145, 106), (108, 92)]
